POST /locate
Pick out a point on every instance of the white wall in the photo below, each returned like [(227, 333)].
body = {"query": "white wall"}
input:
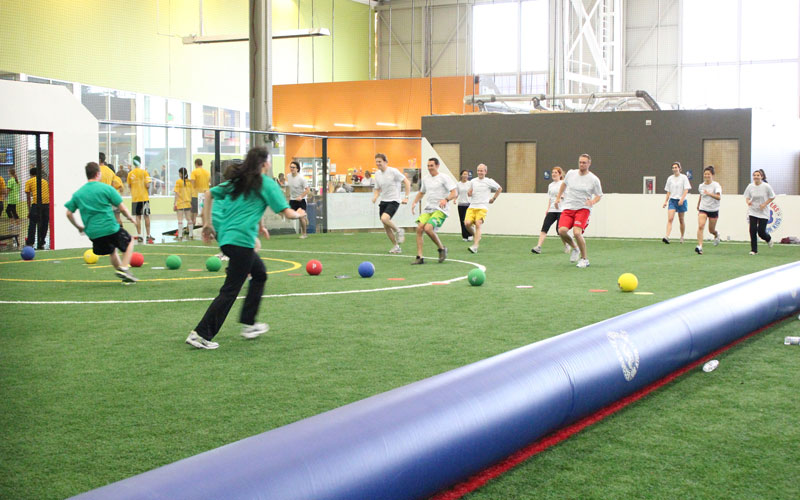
[(33, 107), (629, 216)]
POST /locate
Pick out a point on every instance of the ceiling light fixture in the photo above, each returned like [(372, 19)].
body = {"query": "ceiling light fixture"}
[(386, 124), (350, 125)]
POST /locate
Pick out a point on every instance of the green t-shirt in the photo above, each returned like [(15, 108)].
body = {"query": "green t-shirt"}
[(94, 200), (13, 191), (236, 219)]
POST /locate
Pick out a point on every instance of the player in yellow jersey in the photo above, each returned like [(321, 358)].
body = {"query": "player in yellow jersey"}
[(183, 203), (201, 183), (139, 182), (107, 176), (38, 210)]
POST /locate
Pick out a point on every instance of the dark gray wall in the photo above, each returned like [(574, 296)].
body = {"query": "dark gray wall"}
[(623, 148)]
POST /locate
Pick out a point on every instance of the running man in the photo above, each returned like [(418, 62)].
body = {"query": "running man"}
[(201, 182), (298, 191), (579, 192), (387, 187), (95, 200), (480, 191), (139, 182), (441, 189)]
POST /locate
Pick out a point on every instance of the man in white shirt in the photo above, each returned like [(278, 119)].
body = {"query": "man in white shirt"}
[(441, 189), (298, 191), (480, 194), (579, 192), (387, 187)]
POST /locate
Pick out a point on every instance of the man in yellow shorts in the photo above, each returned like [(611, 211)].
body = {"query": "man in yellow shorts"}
[(480, 193), (440, 189)]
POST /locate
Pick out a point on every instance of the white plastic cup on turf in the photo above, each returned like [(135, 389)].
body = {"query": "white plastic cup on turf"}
[(791, 341), (711, 366)]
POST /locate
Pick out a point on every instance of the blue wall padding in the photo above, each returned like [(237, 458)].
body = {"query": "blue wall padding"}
[(416, 440)]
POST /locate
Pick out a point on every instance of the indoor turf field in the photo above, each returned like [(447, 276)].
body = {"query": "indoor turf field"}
[(101, 386)]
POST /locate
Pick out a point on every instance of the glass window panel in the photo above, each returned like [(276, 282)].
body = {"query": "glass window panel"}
[(94, 99), (710, 87), (770, 86), (769, 29), (710, 29), (495, 37), (535, 36), (176, 115)]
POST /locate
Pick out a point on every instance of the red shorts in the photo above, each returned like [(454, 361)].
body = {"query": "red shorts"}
[(574, 218)]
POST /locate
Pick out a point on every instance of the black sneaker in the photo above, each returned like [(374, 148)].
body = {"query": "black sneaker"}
[(417, 261), (442, 254), (537, 249), (666, 241), (698, 250)]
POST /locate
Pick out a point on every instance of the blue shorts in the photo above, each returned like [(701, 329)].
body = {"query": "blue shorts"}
[(673, 205)]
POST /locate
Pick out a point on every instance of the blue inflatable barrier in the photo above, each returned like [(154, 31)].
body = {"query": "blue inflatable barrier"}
[(417, 440)]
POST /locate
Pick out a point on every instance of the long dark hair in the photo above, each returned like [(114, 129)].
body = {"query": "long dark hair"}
[(763, 175), (246, 176), (184, 175)]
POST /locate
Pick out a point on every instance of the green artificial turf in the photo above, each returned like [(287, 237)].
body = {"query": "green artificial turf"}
[(94, 393)]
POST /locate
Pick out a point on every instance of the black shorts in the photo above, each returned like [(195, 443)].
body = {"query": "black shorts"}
[(388, 207), (141, 208), (549, 220), (105, 245), (194, 205), (295, 204), (711, 215)]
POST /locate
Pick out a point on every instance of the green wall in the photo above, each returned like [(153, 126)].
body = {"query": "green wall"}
[(136, 45)]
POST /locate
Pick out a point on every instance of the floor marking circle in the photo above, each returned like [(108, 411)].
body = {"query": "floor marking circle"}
[(272, 296), (294, 265)]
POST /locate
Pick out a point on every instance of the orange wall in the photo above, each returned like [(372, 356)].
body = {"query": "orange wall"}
[(364, 103), (402, 102)]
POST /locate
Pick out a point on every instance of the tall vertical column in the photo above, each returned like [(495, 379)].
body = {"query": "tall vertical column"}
[(260, 69)]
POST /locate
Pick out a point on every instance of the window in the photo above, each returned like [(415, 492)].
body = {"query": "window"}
[(741, 54)]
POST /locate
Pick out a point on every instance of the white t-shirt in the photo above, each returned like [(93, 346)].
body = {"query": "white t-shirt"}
[(366, 181), (437, 188), (552, 193), (708, 203), (579, 189), (462, 189), (758, 195), (482, 190), (297, 185), (676, 185), (389, 183)]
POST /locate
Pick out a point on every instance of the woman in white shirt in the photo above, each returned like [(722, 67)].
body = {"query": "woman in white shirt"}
[(758, 196), (463, 204), (553, 210), (708, 207), (677, 188)]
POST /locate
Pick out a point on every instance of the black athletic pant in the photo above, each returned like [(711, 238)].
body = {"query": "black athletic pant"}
[(39, 216), (462, 212), (758, 226), (243, 261), (11, 211)]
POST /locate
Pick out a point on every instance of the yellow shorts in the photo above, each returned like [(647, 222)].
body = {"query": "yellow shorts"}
[(474, 215)]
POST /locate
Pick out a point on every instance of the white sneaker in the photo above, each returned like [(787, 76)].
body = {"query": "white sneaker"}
[(537, 249), (574, 255), (396, 249), (400, 235), (753, 253), (473, 249), (199, 342), (583, 263), (681, 239), (771, 242), (303, 236), (254, 330), (470, 238), (223, 257), (567, 248), (716, 241)]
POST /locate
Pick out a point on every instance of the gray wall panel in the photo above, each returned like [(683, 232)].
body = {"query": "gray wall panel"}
[(623, 148)]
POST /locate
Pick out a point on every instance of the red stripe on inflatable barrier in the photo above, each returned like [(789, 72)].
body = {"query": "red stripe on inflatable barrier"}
[(517, 458)]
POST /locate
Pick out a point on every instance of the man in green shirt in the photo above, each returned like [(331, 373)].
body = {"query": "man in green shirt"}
[(96, 202)]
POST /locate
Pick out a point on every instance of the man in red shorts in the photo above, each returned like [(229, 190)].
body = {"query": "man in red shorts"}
[(579, 192)]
